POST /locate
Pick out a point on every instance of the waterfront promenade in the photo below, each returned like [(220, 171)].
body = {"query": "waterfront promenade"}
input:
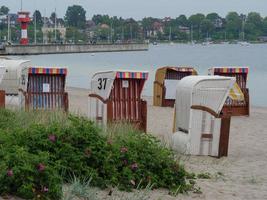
[(70, 48)]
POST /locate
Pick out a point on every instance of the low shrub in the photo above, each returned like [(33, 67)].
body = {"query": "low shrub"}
[(28, 175), (38, 156)]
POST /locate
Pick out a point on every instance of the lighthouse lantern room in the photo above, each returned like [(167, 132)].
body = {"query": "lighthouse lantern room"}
[(24, 19)]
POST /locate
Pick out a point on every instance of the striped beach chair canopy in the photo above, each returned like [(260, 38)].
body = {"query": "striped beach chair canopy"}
[(48, 70), (132, 74), (231, 69)]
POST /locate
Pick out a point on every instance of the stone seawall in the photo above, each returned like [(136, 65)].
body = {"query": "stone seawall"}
[(70, 48)]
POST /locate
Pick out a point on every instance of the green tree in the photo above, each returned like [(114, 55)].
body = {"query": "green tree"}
[(75, 16), (206, 26), (38, 15), (101, 19), (147, 25), (131, 29), (233, 25), (53, 16), (75, 35), (195, 22), (182, 21), (4, 10), (212, 17), (103, 33), (264, 26), (39, 34), (253, 26), (196, 19), (256, 19)]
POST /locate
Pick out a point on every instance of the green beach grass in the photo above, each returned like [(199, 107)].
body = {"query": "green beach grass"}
[(40, 152)]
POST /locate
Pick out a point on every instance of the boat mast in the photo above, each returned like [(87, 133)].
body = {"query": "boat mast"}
[(8, 28), (55, 21), (35, 27), (243, 32), (170, 33), (131, 30), (55, 25), (44, 26), (192, 34)]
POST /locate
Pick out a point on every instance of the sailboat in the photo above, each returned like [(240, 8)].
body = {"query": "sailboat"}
[(192, 36), (207, 42)]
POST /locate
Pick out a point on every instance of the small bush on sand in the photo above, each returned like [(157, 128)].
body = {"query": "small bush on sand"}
[(28, 175), (41, 151)]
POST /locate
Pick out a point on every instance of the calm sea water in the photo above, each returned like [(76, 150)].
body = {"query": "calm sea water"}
[(83, 66)]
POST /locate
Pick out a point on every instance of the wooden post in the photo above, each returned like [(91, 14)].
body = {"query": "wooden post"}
[(224, 136), (143, 116), (247, 101), (110, 111), (2, 99), (66, 102)]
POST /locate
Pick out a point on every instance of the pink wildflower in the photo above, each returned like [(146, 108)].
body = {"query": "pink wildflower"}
[(52, 138), (41, 167), (45, 189), (10, 173), (134, 166), (124, 150)]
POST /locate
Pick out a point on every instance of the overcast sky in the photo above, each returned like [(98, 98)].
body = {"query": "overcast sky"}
[(142, 8)]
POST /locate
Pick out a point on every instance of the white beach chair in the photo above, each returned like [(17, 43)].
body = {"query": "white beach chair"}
[(200, 127)]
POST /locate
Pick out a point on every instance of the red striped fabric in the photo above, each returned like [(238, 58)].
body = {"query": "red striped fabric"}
[(132, 75), (46, 70), (236, 70)]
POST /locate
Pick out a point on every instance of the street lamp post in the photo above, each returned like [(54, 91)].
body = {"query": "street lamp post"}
[(35, 27)]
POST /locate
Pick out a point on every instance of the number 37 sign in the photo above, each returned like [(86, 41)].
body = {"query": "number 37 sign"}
[(102, 83)]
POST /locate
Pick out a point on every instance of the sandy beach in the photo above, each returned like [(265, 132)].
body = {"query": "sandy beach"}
[(241, 175)]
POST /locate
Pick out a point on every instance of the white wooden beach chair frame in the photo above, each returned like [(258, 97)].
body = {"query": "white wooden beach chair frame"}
[(199, 101)]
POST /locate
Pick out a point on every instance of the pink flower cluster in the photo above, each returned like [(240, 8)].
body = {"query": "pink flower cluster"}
[(41, 167), (52, 138), (124, 150), (134, 166), (45, 189), (10, 173)]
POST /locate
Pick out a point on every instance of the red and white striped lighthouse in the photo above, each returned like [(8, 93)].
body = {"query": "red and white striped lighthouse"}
[(24, 19)]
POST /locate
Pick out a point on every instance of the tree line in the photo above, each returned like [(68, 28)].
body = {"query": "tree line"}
[(198, 27)]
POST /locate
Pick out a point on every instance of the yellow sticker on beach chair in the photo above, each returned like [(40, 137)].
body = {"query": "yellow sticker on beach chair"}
[(236, 93)]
